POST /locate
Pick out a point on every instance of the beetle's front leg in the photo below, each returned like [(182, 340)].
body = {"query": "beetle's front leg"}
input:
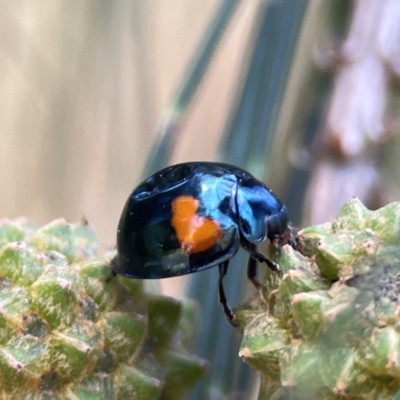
[(251, 249)]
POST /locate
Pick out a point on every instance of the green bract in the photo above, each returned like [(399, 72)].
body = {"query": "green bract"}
[(67, 333), (329, 327)]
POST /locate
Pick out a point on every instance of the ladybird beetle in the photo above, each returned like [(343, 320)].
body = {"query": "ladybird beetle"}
[(192, 216)]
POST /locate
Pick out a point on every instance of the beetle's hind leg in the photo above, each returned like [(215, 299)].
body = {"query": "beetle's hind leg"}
[(223, 268)]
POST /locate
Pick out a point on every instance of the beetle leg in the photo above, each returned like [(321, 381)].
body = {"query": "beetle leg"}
[(261, 258), (276, 243), (223, 268), (113, 272), (251, 248), (292, 243), (252, 272)]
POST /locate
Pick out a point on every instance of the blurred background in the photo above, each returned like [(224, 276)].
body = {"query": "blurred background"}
[(96, 95)]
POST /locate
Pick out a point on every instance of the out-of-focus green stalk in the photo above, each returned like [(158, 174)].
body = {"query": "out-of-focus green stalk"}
[(300, 113), (170, 125), (253, 125), (253, 121)]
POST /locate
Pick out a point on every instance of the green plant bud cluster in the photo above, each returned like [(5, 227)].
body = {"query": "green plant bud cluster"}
[(329, 326), (68, 332)]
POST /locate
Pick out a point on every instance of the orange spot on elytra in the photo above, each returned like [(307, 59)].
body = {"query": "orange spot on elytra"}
[(195, 233)]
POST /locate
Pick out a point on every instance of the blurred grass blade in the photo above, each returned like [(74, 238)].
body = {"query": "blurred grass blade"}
[(254, 121), (245, 145), (170, 126)]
